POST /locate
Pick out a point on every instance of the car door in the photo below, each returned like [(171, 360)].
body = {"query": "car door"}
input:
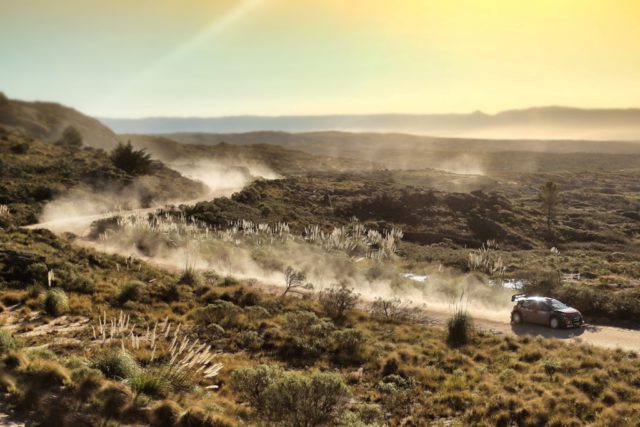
[(527, 310), (541, 313)]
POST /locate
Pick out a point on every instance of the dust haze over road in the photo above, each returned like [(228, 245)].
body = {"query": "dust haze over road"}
[(492, 322)]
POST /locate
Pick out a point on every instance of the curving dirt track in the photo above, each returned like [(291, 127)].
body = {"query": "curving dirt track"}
[(603, 336)]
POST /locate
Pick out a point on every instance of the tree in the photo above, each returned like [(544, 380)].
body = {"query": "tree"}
[(337, 301), (295, 279), (71, 137), (134, 162), (549, 197)]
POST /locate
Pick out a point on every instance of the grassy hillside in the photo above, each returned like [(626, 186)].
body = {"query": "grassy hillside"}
[(34, 172), (47, 121), (279, 356)]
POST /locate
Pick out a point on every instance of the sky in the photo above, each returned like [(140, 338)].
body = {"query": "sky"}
[(140, 58)]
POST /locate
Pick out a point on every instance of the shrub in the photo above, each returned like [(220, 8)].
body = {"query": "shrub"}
[(116, 364), (220, 312), (36, 273), (56, 302), (131, 291), (250, 340), (348, 346), (115, 398), (15, 360), (251, 383), (196, 417), (459, 328), (47, 373), (295, 400), (393, 310), (81, 285), (7, 341), (337, 301), (20, 148), (70, 137), (166, 414), (134, 162), (307, 336), (151, 383), (190, 277)]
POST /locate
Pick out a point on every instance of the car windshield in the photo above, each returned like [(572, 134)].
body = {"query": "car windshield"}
[(557, 305)]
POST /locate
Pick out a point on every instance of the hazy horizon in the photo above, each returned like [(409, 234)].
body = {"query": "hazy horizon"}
[(282, 57)]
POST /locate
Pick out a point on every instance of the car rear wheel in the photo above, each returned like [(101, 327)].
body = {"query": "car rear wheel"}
[(516, 318), (554, 322)]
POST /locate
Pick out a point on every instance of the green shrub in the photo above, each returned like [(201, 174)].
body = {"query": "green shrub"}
[(81, 285), (56, 302), (190, 277), (36, 273), (223, 313), (131, 291), (252, 382), (70, 137), (7, 342), (250, 340), (116, 364), (307, 336), (134, 162), (459, 328), (151, 383), (348, 347), (337, 301), (296, 400)]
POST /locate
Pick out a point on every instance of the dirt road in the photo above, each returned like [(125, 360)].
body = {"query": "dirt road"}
[(602, 336), (497, 322)]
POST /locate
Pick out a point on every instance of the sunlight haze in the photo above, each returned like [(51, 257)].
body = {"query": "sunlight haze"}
[(274, 57)]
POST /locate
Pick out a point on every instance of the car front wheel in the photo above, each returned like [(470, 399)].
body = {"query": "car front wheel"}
[(554, 323), (516, 317)]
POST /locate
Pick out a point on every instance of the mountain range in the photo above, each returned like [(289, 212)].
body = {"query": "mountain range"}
[(530, 123)]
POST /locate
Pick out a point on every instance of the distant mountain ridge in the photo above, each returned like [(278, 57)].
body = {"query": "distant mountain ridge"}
[(530, 123)]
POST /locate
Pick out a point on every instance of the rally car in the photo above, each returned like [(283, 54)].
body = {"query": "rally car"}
[(544, 311)]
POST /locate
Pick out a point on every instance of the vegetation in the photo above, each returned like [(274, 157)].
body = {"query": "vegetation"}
[(56, 302), (133, 162)]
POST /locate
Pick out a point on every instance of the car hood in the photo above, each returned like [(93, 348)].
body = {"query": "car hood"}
[(568, 311)]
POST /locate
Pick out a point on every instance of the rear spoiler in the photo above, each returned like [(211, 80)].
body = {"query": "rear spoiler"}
[(518, 297)]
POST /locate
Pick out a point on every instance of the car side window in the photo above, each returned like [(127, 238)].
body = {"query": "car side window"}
[(527, 305), (543, 306)]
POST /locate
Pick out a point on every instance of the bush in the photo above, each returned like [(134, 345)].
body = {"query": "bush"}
[(393, 310), (56, 302), (459, 328), (131, 291), (115, 398), (20, 148), (223, 313), (196, 417), (81, 285), (70, 137), (116, 364), (36, 273), (134, 162), (295, 400), (337, 301), (7, 342), (151, 383), (47, 373), (251, 383), (166, 414), (307, 336), (190, 277), (348, 347), (250, 340)]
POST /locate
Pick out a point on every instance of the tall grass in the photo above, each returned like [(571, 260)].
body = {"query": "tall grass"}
[(460, 325)]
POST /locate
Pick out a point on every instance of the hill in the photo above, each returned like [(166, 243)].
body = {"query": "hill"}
[(540, 122), (47, 121), (34, 173), (276, 158)]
